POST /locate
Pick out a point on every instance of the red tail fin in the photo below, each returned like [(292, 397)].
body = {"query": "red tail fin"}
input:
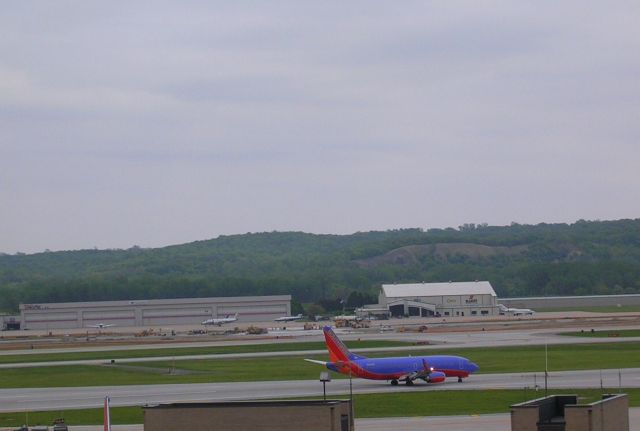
[(337, 350)]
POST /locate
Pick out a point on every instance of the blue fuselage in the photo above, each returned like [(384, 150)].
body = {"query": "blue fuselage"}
[(394, 368)]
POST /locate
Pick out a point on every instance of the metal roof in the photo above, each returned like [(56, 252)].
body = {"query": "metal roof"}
[(438, 289), (158, 302)]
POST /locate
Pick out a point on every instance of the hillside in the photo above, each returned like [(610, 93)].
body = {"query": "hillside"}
[(519, 260)]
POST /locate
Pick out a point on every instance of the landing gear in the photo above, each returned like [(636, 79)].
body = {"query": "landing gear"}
[(459, 379), (394, 382), (409, 382)]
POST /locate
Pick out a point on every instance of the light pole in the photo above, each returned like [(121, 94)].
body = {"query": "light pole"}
[(546, 367), (324, 378), (351, 394)]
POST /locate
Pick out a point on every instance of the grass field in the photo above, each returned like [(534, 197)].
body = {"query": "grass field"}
[(491, 360), (607, 333), (399, 404), (177, 351)]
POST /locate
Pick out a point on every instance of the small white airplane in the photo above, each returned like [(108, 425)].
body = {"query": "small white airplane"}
[(101, 325), (288, 318), (515, 311), (221, 321)]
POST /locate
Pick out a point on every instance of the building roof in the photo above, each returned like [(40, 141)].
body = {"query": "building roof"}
[(438, 289), (247, 403), (158, 302)]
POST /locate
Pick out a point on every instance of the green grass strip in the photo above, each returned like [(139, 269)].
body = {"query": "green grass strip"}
[(397, 404), (608, 333), (491, 360), (178, 351)]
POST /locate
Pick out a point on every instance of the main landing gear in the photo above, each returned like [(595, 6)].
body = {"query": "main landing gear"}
[(394, 382), (409, 382), (459, 379)]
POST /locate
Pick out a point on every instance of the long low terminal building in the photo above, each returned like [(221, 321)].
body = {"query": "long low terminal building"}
[(152, 312), (474, 298)]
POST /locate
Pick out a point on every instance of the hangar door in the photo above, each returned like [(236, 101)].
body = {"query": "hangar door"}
[(411, 308)]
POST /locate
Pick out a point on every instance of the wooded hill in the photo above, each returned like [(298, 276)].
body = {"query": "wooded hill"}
[(599, 257)]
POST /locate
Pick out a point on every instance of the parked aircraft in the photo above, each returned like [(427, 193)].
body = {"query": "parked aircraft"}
[(288, 318), (101, 325), (221, 321), (515, 311), (431, 369)]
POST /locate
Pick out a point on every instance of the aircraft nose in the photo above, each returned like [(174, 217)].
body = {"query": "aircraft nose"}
[(473, 367)]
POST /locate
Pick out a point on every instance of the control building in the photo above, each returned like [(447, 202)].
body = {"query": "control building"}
[(152, 312), (475, 298)]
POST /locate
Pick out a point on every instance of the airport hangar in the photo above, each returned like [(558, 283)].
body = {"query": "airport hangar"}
[(455, 299), (152, 312)]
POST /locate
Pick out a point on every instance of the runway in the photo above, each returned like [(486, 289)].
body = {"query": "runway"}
[(33, 399)]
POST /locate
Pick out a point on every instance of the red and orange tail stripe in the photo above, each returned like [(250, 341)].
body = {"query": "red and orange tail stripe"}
[(337, 350)]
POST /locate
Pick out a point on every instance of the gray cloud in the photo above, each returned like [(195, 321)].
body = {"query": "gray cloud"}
[(155, 123)]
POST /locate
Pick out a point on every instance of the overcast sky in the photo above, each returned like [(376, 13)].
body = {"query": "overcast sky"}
[(156, 123)]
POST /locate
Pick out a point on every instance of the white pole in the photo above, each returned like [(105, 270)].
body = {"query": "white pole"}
[(546, 367)]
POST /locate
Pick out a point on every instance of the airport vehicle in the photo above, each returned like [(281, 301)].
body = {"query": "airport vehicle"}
[(431, 369), (515, 311), (222, 320), (288, 318), (101, 325), (346, 317), (60, 425)]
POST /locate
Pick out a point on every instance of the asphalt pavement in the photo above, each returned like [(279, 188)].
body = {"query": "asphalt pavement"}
[(33, 399)]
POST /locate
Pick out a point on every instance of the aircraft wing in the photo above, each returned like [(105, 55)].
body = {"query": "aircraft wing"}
[(419, 374), (415, 375)]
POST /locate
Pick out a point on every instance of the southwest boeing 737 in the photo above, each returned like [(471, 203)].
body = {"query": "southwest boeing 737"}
[(431, 369)]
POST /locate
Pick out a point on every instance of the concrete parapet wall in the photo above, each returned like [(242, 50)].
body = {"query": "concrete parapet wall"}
[(251, 416), (562, 412), (609, 414)]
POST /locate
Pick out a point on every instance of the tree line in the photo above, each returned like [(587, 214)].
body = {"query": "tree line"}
[(585, 257)]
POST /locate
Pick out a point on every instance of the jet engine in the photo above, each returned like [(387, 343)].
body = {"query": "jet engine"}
[(436, 377)]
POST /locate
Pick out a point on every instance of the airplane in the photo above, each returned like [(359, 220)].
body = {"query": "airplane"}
[(101, 325), (288, 318), (515, 311), (222, 320), (431, 369)]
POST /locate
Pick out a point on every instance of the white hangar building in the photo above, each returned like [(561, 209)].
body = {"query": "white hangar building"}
[(152, 312), (473, 298)]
